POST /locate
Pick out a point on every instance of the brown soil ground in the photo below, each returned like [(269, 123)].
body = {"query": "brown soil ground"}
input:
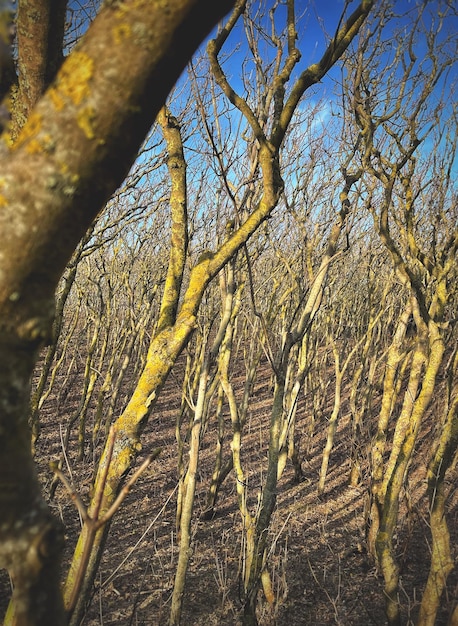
[(320, 568)]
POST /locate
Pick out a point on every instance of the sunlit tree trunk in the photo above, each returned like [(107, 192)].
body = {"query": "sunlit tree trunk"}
[(391, 383), (441, 553)]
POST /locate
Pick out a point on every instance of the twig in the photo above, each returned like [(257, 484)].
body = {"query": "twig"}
[(74, 495), (93, 523), (127, 487)]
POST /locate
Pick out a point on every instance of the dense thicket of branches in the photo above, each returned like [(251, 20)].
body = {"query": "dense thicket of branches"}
[(303, 215)]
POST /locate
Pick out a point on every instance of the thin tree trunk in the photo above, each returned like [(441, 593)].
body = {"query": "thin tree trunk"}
[(187, 501), (395, 356), (441, 556), (404, 440)]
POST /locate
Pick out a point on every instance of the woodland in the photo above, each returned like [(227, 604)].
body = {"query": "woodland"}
[(228, 316)]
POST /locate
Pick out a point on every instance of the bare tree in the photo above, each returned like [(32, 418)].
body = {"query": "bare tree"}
[(269, 124), (397, 111)]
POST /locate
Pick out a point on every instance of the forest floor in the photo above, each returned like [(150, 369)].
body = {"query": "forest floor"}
[(320, 568)]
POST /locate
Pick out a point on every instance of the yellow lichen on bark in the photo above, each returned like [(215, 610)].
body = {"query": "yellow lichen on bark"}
[(38, 145), (122, 10), (85, 119), (121, 32), (56, 99), (74, 77), (30, 130)]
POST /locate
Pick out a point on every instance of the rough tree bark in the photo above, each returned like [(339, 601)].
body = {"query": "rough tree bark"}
[(40, 34)]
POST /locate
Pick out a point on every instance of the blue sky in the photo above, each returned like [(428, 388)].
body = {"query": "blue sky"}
[(315, 17), (317, 21)]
